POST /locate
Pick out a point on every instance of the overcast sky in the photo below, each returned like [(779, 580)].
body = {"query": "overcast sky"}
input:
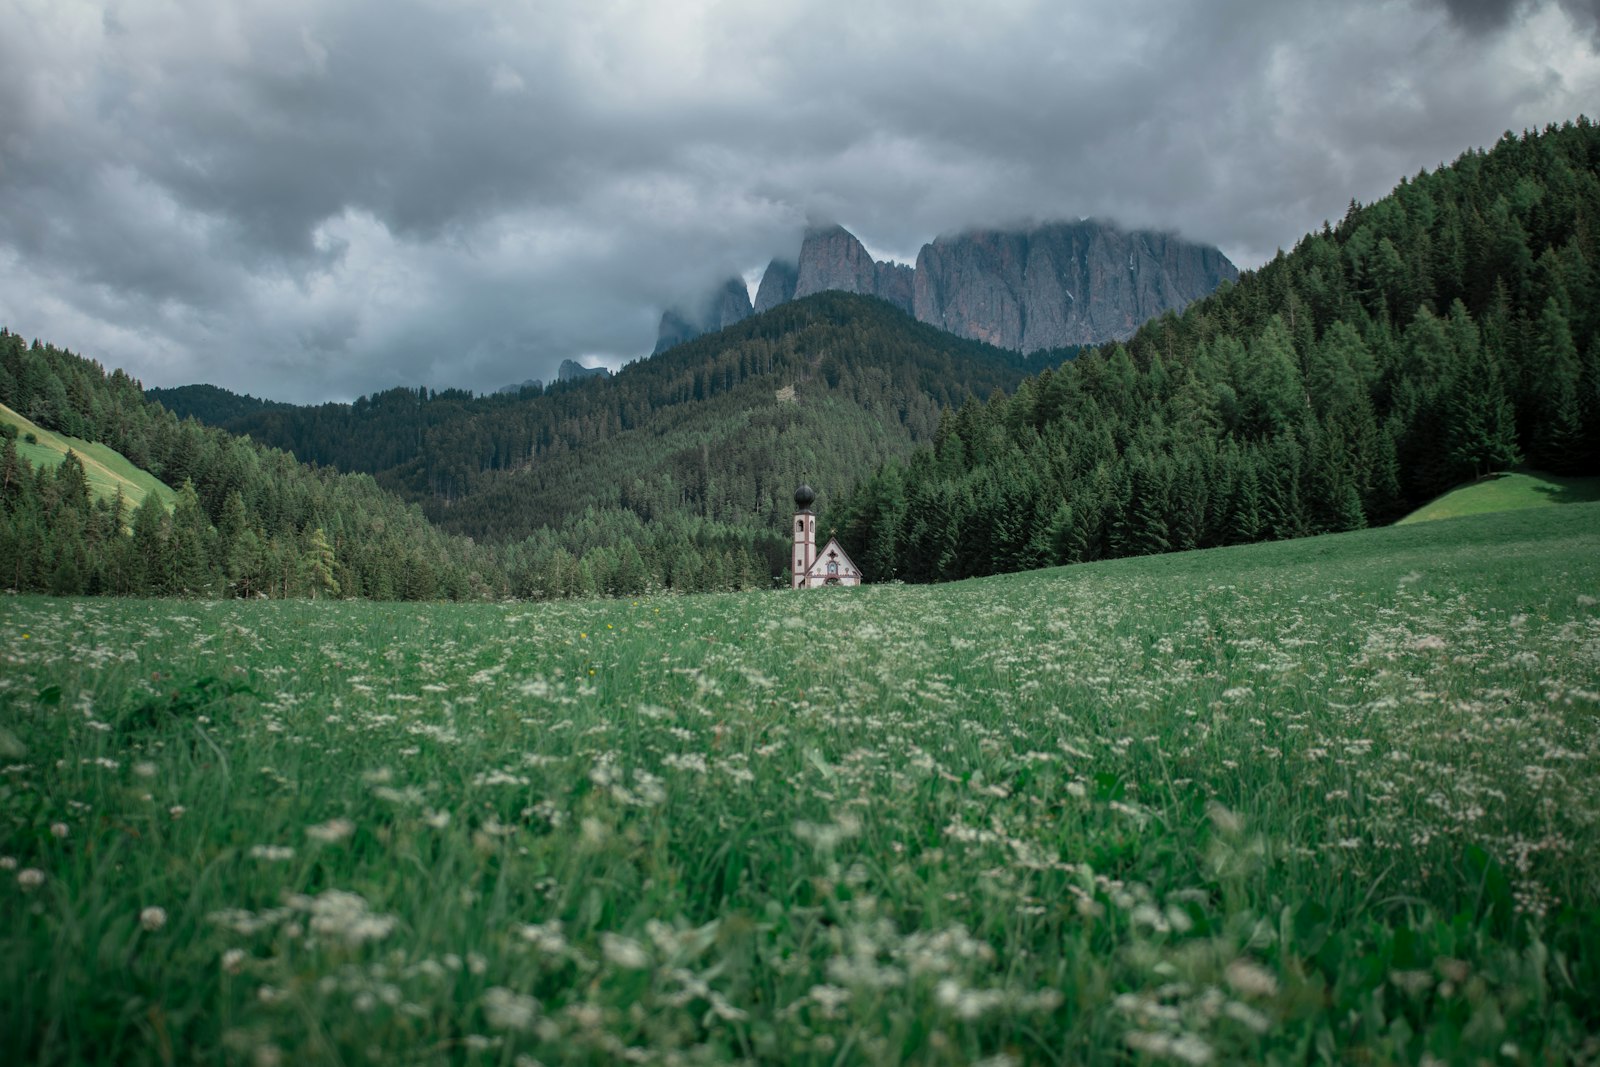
[(311, 199)]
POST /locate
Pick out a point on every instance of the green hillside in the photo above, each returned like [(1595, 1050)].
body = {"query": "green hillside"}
[(1511, 491), (244, 519), (719, 429), (1448, 330), (107, 469), (1325, 801)]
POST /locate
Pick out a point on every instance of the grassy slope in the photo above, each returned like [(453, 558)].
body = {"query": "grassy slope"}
[(106, 468), (1507, 492), (1329, 800)]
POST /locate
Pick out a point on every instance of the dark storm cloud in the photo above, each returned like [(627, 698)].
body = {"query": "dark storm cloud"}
[(1491, 15), (308, 199)]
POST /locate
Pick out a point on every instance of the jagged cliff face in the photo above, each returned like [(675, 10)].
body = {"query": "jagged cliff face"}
[(1061, 284), (832, 258), (777, 285), (896, 283), (1064, 283), (731, 305)]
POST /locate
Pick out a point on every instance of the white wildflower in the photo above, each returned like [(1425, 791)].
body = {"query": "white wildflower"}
[(271, 853), (153, 918), (829, 998), (999, 1059), (546, 937), (233, 961), (507, 1009), (1186, 1047), (59, 829), (825, 837), (30, 878), (593, 832), (332, 831), (1246, 1016), (336, 913), (1223, 819), (624, 952), (1251, 979)]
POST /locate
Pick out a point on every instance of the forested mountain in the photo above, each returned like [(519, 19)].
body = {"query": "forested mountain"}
[(210, 404), (720, 429), (1446, 331), (247, 519), (677, 473)]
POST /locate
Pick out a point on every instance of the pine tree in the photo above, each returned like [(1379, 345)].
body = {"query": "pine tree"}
[(152, 571), (1480, 424), (318, 566), (190, 546), (1558, 442)]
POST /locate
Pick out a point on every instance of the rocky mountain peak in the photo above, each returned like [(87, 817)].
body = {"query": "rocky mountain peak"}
[(832, 258), (1043, 286), (777, 285), (571, 370)]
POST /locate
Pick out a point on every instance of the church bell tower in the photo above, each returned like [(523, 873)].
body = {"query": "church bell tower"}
[(805, 535)]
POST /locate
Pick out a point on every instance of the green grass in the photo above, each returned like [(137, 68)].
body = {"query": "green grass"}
[(107, 469), (1334, 800), (1510, 491)]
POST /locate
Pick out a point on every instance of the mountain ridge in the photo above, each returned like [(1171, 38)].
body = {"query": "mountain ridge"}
[(1047, 285)]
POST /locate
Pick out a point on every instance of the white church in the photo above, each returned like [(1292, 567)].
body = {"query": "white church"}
[(812, 569)]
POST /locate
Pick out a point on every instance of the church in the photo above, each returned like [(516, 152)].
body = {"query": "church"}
[(831, 566)]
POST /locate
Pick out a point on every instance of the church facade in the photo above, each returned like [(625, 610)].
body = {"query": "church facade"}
[(809, 567)]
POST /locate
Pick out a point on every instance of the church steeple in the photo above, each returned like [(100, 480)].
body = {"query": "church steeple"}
[(805, 535)]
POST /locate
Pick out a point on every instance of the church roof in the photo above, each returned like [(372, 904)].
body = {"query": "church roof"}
[(832, 552)]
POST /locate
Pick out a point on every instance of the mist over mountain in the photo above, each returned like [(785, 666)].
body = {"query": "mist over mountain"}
[(726, 306), (777, 284)]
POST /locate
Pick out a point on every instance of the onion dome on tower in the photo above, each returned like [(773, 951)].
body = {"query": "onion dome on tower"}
[(804, 497)]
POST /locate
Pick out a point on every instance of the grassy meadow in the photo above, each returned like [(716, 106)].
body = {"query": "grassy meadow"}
[(1330, 801)]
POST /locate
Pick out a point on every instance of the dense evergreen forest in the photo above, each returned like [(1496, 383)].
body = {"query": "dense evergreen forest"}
[(721, 428), (1447, 331)]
